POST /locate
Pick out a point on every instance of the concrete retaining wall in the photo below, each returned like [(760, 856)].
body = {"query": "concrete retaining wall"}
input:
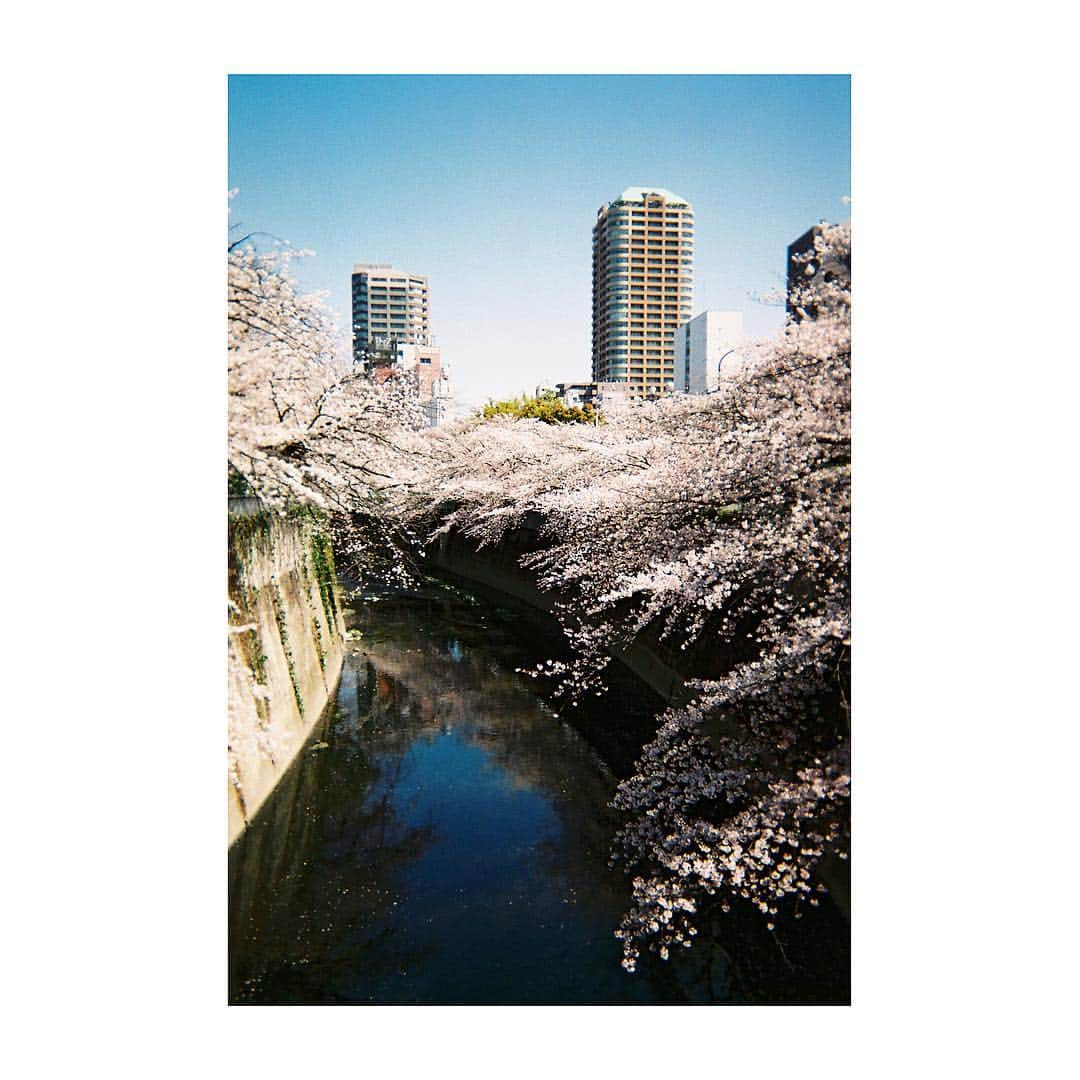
[(664, 670), (285, 664)]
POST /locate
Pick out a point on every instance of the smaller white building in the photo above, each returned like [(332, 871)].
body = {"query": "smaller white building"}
[(605, 396), (704, 346)]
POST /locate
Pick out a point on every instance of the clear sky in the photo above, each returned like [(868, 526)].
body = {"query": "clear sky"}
[(489, 185)]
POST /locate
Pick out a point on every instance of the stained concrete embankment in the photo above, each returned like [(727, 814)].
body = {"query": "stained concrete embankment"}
[(649, 657), (285, 648)]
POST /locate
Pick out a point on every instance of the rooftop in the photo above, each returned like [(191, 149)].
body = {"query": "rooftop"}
[(384, 270), (637, 194)]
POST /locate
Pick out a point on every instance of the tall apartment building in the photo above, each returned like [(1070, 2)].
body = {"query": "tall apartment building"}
[(388, 304), (704, 346), (392, 334), (643, 259)]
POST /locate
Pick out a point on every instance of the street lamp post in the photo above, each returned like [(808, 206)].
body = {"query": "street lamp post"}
[(719, 365)]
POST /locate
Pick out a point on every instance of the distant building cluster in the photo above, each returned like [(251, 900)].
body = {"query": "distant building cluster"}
[(392, 334), (643, 277), (645, 342), (602, 396)]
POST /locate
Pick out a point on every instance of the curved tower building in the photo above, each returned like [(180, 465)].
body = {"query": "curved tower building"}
[(643, 280)]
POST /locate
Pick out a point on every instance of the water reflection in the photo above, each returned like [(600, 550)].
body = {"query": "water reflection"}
[(443, 839)]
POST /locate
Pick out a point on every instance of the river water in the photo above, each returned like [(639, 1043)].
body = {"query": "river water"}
[(444, 835)]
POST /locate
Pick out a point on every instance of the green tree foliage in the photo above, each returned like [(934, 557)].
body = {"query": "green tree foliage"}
[(547, 408)]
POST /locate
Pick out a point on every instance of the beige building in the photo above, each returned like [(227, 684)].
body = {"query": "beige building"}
[(643, 258), (388, 304)]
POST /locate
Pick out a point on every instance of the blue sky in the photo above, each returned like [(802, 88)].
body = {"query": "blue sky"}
[(489, 185)]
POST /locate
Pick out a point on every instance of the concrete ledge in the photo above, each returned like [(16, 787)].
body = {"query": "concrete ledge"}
[(498, 569)]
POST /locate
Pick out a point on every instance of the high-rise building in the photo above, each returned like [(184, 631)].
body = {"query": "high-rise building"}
[(387, 305), (392, 334), (704, 346), (643, 258)]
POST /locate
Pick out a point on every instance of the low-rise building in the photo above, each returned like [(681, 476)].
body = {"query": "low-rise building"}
[(603, 396), (423, 365), (704, 346)]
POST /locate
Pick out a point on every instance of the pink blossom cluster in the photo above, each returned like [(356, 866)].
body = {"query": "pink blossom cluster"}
[(720, 524)]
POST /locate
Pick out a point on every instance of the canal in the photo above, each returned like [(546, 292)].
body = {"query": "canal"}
[(444, 835)]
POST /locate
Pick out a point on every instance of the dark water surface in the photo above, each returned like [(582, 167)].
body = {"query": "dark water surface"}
[(444, 836)]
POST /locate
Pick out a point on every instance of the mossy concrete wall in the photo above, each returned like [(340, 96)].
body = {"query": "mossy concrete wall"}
[(285, 649)]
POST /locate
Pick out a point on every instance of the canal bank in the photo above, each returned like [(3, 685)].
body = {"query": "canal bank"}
[(285, 647)]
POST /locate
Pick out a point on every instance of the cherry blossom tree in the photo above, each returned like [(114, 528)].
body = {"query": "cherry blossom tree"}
[(305, 424), (720, 524)]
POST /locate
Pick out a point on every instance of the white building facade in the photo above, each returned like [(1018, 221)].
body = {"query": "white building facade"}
[(704, 347)]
